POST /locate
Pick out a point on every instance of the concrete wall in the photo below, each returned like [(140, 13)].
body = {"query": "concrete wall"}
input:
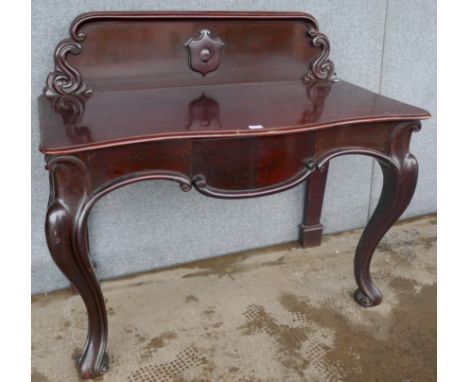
[(387, 46)]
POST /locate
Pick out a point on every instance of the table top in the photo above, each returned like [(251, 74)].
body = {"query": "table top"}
[(109, 118)]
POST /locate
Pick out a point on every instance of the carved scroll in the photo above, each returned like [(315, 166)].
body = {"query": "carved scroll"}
[(201, 185), (65, 79), (71, 108), (322, 68)]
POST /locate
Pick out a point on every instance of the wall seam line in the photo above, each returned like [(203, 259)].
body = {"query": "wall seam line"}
[(384, 37)]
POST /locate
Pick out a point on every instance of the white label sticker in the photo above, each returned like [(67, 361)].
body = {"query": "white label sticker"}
[(255, 127)]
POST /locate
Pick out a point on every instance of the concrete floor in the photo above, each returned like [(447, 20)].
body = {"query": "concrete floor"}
[(282, 314)]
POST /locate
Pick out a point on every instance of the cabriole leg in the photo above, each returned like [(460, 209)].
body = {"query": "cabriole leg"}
[(67, 241), (400, 175)]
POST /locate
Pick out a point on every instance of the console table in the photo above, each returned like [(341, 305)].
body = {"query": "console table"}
[(231, 104)]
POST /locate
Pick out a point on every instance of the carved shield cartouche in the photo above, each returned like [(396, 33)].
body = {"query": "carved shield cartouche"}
[(204, 52)]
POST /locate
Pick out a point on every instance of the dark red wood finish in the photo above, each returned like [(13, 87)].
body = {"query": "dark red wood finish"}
[(122, 117), (125, 104), (310, 231)]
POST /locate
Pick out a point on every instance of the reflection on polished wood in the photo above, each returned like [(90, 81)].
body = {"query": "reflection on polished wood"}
[(126, 104), (123, 117)]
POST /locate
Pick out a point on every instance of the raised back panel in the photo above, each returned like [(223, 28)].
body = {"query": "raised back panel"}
[(116, 50)]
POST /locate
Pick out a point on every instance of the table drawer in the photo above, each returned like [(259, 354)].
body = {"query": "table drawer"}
[(250, 163)]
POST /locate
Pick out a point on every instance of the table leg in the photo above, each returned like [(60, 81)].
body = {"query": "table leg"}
[(66, 236), (310, 231), (400, 175)]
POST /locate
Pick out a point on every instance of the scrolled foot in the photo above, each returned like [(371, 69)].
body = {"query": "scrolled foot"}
[(88, 371), (104, 364), (367, 301)]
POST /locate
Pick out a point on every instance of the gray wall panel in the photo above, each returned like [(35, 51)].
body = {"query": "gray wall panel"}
[(153, 224), (166, 226), (409, 73)]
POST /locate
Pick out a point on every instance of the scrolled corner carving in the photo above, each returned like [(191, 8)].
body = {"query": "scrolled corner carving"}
[(185, 187), (199, 181), (65, 79), (71, 162), (322, 68), (396, 142), (72, 108), (201, 185)]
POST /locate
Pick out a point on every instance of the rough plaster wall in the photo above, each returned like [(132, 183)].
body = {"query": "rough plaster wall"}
[(153, 224)]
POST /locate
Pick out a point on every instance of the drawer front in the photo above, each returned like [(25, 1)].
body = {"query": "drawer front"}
[(251, 163), (120, 162)]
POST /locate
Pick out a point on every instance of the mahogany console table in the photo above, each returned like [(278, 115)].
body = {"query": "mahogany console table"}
[(232, 104)]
